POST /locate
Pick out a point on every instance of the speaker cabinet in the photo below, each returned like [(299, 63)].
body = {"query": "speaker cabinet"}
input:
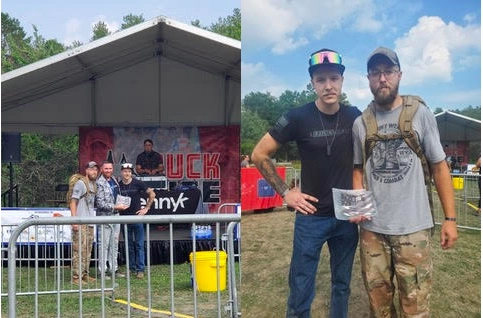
[(10, 147)]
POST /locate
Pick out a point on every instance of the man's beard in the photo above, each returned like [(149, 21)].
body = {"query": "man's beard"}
[(385, 99)]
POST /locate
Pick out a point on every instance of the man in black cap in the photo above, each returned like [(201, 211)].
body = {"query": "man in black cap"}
[(81, 204), (396, 241), (322, 131)]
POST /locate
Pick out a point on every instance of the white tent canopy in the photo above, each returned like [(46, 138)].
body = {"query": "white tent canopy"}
[(158, 73), (456, 127)]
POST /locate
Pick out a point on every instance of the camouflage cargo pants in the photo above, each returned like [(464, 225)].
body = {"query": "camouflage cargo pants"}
[(408, 257), (82, 240)]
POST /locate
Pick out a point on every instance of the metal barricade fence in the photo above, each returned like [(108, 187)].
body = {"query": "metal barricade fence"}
[(467, 191), (32, 282)]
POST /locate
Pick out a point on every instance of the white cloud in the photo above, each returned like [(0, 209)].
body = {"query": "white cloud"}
[(76, 30), (470, 17), (462, 97), (73, 30), (433, 49), (268, 24), (257, 78), (356, 86), (285, 25)]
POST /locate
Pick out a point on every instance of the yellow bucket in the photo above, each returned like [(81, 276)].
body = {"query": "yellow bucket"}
[(206, 270), (458, 183)]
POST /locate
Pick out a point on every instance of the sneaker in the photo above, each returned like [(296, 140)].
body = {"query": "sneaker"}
[(119, 274), (88, 279), (77, 281), (106, 276), (140, 275)]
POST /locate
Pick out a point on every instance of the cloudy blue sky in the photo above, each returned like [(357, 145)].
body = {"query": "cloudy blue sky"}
[(438, 43), (68, 21)]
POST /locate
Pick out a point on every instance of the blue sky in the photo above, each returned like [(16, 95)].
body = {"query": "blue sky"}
[(438, 43), (67, 21)]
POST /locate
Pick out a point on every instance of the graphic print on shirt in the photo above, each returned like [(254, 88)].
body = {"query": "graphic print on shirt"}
[(391, 159)]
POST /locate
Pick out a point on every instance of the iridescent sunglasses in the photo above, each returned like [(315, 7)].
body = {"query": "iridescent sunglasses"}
[(324, 57)]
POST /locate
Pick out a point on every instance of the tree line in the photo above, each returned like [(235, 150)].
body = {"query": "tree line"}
[(260, 111)]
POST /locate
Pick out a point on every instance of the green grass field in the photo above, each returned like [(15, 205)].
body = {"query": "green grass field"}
[(267, 246), (68, 305)]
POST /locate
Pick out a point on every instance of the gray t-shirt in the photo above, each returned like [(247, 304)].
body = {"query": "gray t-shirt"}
[(395, 175), (85, 206)]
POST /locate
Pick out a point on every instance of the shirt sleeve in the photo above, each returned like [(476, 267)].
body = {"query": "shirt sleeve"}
[(78, 190), (358, 134), (283, 129), (430, 138)]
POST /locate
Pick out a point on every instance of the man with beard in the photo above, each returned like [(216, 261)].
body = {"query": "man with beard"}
[(81, 204), (149, 162), (396, 241), (108, 234)]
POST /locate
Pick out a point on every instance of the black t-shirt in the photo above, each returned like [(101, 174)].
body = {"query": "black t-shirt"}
[(136, 190), (320, 172), (149, 160)]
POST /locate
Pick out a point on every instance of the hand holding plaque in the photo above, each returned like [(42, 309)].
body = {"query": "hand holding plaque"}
[(353, 203), (125, 200)]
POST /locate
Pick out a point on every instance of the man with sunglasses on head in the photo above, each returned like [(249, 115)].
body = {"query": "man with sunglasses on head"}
[(135, 190), (108, 234), (396, 241), (322, 131)]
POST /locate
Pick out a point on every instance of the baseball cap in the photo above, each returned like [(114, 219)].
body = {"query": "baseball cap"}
[(325, 57), (126, 166), (383, 52), (92, 164)]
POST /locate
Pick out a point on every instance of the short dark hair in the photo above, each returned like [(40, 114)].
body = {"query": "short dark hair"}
[(148, 140)]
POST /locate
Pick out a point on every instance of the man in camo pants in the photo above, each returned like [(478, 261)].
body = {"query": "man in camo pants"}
[(396, 241)]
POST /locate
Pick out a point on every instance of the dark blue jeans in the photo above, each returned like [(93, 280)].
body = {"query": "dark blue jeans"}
[(310, 234), (135, 237)]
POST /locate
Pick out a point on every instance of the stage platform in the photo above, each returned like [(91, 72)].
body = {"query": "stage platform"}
[(160, 245)]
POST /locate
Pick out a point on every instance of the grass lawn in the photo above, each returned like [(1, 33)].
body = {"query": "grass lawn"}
[(266, 252), (68, 304)]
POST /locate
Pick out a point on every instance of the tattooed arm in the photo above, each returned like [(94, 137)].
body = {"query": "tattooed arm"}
[(262, 157)]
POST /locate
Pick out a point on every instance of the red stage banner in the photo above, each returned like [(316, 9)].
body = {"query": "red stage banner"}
[(256, 193), (208, 155)]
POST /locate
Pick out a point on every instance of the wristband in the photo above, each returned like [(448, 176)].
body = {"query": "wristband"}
[(284, 193), (450, 219)]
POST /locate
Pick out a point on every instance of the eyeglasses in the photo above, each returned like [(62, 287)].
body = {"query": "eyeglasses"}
[(388, 74), (126, 166), (325, 57)]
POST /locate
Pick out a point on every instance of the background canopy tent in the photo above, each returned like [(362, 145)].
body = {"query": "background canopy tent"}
[(456, 127), (158, 73)]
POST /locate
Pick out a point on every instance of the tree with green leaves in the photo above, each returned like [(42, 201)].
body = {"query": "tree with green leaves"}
[(131, 20), (229, 26), (15, 44), (100, 30)]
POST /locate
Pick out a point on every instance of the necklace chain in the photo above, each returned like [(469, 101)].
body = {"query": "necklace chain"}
[(329, 146), (128, 187)]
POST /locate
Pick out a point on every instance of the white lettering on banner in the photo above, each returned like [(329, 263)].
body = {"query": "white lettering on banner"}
[(168, 202)]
